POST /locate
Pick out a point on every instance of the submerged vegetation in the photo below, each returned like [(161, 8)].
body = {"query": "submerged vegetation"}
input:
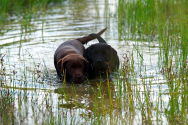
[(151, 86)]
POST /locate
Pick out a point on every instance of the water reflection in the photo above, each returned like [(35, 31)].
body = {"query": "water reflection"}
[(95, 98)]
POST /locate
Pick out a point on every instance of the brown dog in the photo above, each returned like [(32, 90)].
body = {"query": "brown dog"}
[(69, 61)]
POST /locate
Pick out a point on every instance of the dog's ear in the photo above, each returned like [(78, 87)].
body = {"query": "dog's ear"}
[(61, 64)]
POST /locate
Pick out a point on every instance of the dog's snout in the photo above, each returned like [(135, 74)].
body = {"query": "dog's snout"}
[(100, 65), (78, 75), (99, 62), (79, 78)]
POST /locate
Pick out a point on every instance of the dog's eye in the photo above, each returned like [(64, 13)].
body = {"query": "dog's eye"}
[(76, 66), (73, 66)]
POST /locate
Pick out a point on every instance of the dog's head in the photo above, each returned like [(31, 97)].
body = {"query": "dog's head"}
[(102, 57), (74, 68)]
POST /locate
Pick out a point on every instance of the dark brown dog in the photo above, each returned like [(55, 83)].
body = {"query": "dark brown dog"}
[(69, 61)]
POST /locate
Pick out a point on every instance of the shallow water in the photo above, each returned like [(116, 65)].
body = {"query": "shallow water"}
[(39, 97)]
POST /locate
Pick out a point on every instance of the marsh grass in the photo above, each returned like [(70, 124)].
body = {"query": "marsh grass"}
[(118, 102), (6, 106), (161, 22)]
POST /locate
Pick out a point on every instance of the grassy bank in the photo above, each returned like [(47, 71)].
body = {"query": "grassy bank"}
[(8, 7), (22, 11)]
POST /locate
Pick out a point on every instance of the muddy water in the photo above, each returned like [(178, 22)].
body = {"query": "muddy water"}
[(29, 72)]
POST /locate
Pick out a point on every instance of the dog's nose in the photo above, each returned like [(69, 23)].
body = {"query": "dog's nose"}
[(100, 66), (79, 79)]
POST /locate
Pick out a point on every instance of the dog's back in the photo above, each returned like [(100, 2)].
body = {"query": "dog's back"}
[(74, 46)]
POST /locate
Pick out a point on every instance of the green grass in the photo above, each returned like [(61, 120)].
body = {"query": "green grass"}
[(163, 22), (22, 11), (6, 106), (18, 7)]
